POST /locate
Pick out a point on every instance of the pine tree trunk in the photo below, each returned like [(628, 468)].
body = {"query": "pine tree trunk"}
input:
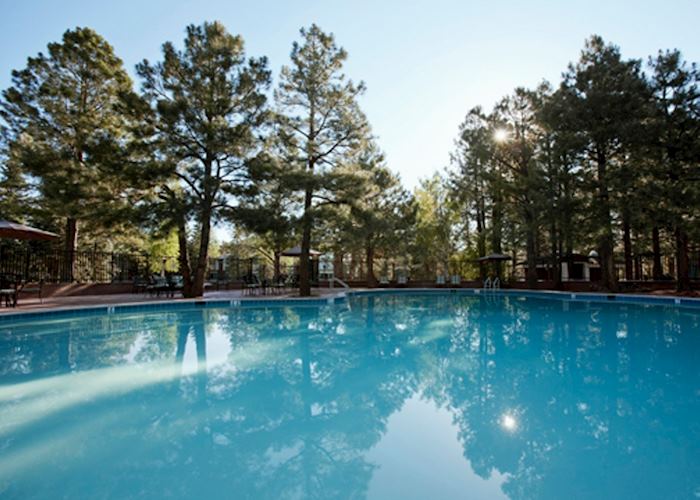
[(202, 259), (304, 261), (671, 263), (371, 278), (627, 242), (531, 251), (70, 249), (338, 269), (480, 240), (496, 229), (657, 269), (556, 257), (183, 258), (352, 268), (277, 265), (566, 229), (496, 223), (682, 261), (307, 217), (606, 241)]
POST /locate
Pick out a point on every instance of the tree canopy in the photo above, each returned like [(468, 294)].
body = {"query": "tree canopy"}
[(208, 104), (66, 132), (602, 164)]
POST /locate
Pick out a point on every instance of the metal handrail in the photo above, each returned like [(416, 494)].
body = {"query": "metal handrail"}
[(341, 282)]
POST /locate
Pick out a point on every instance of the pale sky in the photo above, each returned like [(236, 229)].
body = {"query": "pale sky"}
[(425, 63)]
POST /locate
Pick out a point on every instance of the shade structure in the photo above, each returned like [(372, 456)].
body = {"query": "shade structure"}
[(494, 257), (296, 252), (17, 231)]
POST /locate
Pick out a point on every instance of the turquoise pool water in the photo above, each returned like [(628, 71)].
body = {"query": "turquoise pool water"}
[(380, 396)]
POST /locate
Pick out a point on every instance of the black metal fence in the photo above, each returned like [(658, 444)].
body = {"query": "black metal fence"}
[(91, 266), (53, 266), (223, 271), (234, 268)]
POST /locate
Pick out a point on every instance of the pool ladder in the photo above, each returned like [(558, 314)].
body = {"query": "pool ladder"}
[(492, 284), (334, 280)]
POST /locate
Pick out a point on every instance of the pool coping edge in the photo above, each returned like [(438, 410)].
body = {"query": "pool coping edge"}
[(597, 297)]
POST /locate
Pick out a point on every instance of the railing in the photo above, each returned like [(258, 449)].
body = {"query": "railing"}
[(492, 284), (80, 266), (92, 266), (234, 268), (340, 282)]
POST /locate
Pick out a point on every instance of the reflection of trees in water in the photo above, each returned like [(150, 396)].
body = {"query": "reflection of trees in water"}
[(81, 343), (592, 417), (303, 396), (293, 422)]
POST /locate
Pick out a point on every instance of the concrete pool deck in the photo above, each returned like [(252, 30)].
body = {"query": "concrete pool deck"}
[(34, 304)]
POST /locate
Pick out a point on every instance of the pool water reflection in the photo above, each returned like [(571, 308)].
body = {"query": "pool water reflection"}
[(386, 396)]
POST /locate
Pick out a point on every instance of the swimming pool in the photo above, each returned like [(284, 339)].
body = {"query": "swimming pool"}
[(381, 395)]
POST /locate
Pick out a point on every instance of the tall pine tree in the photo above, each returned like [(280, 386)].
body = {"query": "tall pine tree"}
[(66, 127), (321, 123), (209, 105), (604, 96)]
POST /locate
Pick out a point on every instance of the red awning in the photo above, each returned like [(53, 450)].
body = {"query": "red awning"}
[(17, 231)]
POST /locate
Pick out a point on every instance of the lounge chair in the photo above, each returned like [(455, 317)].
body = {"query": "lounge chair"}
[(455, 280), (384, 281), (440, 280)]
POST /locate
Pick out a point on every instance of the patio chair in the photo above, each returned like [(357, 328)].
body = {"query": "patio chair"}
[(175, 284), (140, 285), (263, 285), (402, 280), (384, 280), (9, 289), (280, 284), (252, 285), (440, 280), (291, 282), (455, 280), (157, 285), (35, 288)]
